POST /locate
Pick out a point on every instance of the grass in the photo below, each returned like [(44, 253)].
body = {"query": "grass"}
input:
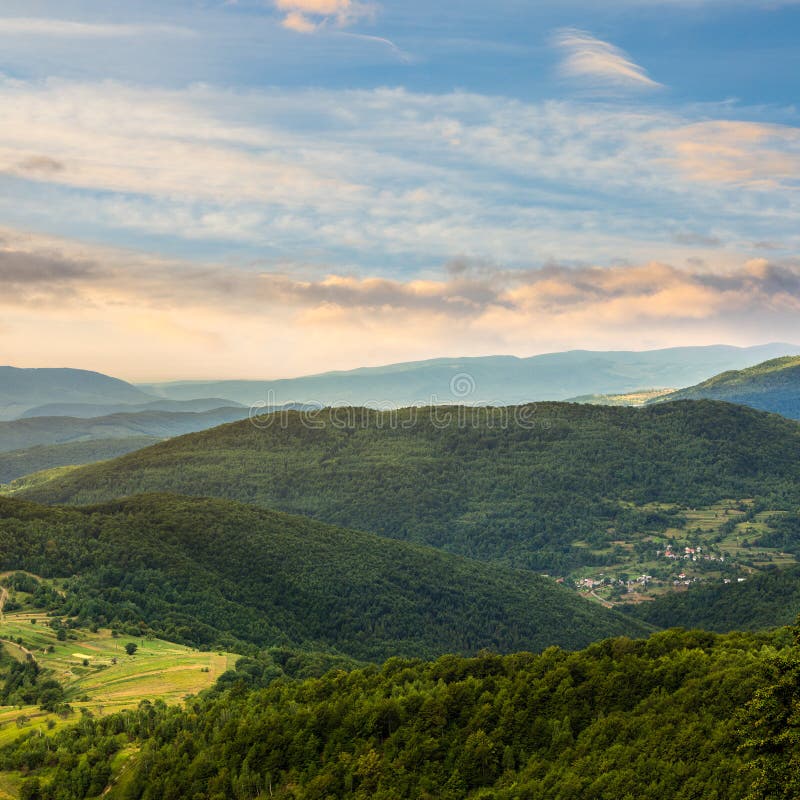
[(35, 479), (86, 667), (98, 676)]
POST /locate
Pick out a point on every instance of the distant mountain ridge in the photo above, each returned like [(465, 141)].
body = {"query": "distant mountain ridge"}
[(21, 389), (770, 386), (499, 380), (90, 410)]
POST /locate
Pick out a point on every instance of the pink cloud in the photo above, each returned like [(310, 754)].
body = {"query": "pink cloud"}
[(308, 16)]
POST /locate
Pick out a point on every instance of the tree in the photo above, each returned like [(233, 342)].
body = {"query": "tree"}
[(30, 789), (131, 648), (771, 731)]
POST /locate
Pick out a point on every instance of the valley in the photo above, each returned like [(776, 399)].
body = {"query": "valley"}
[(399, 400), (361, 583)]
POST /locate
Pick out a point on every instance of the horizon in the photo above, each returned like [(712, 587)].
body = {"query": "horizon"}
[(348, 371), (289, 187)]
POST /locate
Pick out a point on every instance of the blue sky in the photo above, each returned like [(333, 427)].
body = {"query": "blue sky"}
[(257, 189)]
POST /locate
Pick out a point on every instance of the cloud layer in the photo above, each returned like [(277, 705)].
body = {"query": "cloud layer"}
[(62, 28), (192, 320), (402, 178)]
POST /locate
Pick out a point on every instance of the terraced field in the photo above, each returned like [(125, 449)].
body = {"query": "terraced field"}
[(713, 544), (98, 675)]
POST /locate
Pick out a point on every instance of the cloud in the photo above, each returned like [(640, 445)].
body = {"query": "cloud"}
[(598, 64), (61, 28), (406, 179), (693, 239), (736, 152), (64, 302), (308, 16), (43, 165)]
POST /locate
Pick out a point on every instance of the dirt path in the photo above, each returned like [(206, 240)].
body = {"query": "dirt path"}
[(3, 598), (600, 600)]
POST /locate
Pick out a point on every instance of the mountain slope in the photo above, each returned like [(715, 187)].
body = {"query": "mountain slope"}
[(497, 380), (771, 386), (528, 485), (762, 601), (18, 463), (209, 571), (21, 389), (680, 715), (21, 434)]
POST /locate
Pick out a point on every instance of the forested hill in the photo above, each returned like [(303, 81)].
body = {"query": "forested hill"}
[(771, 386), (210, 572), (681, 715), (527, 485), (761, 601)]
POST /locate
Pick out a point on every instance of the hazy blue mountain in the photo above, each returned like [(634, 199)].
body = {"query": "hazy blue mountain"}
[(24, 433), (771, 386), (492, 379), (89, 410), (21, 389)]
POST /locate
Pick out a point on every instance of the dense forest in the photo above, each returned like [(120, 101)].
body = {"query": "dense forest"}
[(762, 601), (215, 572), (18, 463), (521, 485), (681, 714)]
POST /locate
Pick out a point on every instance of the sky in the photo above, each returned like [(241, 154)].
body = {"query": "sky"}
[(269, 188)]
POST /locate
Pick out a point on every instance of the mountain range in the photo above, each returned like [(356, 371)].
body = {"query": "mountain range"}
[(29, 432), (22, 389), (498, 380)]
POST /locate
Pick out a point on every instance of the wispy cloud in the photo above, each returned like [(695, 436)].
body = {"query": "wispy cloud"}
[(308, 16), (62, 28), (599, 64), (406, 178)]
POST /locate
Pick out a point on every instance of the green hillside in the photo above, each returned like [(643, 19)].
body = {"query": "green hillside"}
[(18, 463), (550, 486), (760, 601), (680, 715), (21, 434), (211, 572), (771, 386)]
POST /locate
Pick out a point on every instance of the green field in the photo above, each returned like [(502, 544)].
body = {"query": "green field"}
[(97, 675), (158, 670)]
